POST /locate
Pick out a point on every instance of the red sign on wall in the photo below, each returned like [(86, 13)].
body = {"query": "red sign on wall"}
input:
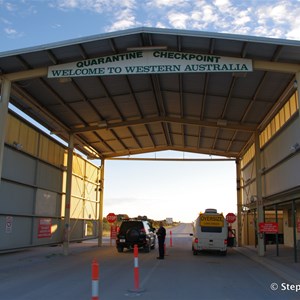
[(44, 228), (113, 232), (298, 225), (268, 227)]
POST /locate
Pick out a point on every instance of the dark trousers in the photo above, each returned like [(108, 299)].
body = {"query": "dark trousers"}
[(161, 247)]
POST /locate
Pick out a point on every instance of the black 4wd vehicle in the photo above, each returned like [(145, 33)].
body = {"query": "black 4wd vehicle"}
[(137, 232)]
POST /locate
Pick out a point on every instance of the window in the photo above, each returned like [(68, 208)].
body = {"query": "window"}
[(211, 229)]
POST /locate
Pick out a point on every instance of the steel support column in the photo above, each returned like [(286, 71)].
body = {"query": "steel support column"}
[(239, 201), (259, 201), (68, 196), (298, 86), (277, 241), (100, 231), (294, 213), (4, 100), (297, 83)]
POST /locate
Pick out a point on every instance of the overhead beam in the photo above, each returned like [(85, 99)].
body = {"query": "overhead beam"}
[(183, 121), (60, 129), (25, 75), (163, 148), (171, 159), (276, 67)]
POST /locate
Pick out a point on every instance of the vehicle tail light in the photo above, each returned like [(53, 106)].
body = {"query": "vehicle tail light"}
[(225, 242), (196, 240), (142, 230)]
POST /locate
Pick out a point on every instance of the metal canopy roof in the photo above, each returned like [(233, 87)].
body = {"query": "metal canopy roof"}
[(210, 113)]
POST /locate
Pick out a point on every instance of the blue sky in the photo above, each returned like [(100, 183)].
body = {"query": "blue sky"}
[(26, 23), (158, 189)]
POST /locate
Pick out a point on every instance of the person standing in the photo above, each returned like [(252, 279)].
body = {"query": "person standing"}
[(161, 235)]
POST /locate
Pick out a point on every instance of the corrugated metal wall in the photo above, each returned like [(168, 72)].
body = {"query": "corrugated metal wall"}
[(32, 190), (280, 164)]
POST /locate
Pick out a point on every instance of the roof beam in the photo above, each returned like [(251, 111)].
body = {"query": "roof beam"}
[(184, 121), (171, 159), (257, 91), (25, 75), (60, 129), (163, 148), (276, 67)]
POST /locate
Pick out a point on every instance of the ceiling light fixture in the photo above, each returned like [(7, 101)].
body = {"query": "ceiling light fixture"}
[(295, 84), (221, 122), (64, 79), (295, 147), (239, 74), (102, 124)]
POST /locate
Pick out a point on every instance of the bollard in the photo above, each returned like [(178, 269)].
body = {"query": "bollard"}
[(95, 280), (171, 241), (136, 268), (136, 291)]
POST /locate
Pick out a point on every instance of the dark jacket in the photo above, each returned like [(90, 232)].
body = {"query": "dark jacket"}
[(161, 234)]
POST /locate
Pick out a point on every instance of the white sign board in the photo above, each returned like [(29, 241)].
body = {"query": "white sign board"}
[(150, 62), (169, 220)]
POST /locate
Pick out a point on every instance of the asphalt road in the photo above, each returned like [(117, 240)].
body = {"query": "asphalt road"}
[(47, 274)]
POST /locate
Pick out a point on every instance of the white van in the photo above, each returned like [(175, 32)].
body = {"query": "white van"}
[(210, 232)]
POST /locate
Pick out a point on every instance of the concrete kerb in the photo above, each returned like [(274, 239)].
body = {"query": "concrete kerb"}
[(288, 274)]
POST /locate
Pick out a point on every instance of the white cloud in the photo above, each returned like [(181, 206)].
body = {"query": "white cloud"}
[(160, 25), (5, 21), (168, 3), (121, 14), (178, 20), (56, 26), (278, 13), (209, 14), (279, 20), (294, 32), (10, 31), (10, 6), (97, 6), (223, 5), (123, 17), (276, 18), (68, 4), (122, 24), (242, 18)]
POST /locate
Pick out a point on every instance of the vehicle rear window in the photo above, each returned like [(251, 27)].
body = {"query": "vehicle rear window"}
[(126, 225), (211, 229)]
